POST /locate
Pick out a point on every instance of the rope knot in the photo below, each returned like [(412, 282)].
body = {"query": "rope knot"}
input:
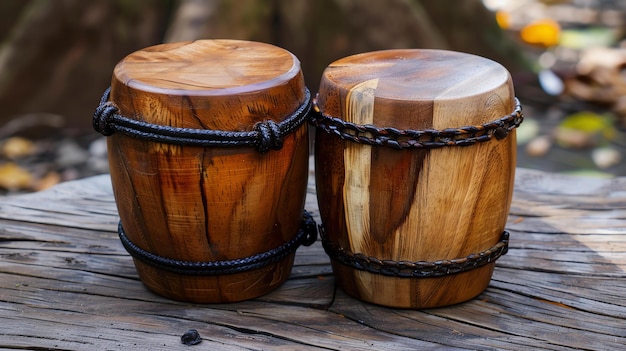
[(269, 136), (500, 133), (103, 117), (309, 227)]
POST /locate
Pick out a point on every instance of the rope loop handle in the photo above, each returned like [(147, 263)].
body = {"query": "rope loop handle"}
[(417, 139), (267, 135)]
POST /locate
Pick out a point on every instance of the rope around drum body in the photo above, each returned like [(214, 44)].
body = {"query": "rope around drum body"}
[(417, 139), (307, 235), (266, 135), (418, 269)]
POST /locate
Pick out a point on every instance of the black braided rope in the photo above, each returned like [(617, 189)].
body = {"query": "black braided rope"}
[(417, 139), (307, 235), (419, 269), (266, 135)]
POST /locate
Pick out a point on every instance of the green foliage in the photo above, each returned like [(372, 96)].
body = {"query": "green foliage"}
[(590, 122)]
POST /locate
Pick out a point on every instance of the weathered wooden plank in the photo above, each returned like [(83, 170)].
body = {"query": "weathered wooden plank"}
[(115, 276), (540, 205), (600, 296), (72, 275), (87, 204), (315, 292), (583, 224), (563, 185), (85, 245), (540, 194), (69, 284), (73, 318), (430, 326), (568, 242), (497, 319), (73, 203), (564, 264), (128, 328)]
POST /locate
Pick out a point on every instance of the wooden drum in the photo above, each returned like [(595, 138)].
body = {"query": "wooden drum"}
[(415, 160), (208, 152)]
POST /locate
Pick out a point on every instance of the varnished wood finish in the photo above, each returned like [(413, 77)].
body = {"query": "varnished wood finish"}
[(415, 205), (209, 204), (66, 283)]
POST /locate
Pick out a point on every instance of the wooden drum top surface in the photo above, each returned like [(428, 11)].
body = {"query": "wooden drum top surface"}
[(419, 74), (207, 67), (416, 89)]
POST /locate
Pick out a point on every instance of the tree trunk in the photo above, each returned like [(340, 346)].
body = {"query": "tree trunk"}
[(58, 56), (322, 31)]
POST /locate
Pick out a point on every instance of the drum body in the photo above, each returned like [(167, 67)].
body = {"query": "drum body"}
[(414, 159), (188, 205)]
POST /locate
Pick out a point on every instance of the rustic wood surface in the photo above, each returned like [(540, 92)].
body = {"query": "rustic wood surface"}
[(66, 283)]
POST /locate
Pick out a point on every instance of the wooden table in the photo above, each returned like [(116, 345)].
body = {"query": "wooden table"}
[(67, 283)]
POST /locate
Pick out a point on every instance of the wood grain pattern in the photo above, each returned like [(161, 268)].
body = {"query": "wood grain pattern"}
[(66, 283), (415, 205), (209, 204)]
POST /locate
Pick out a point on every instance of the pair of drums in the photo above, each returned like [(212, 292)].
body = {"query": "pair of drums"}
[(414, 161)]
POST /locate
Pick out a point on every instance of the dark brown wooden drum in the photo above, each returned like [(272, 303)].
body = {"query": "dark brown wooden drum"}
[(208, 151), (415, 160)]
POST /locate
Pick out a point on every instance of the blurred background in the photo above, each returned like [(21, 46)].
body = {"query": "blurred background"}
[(567, 59)]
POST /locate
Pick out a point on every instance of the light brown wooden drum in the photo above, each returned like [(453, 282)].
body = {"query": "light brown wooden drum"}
[(201, 203), (414, 204)]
